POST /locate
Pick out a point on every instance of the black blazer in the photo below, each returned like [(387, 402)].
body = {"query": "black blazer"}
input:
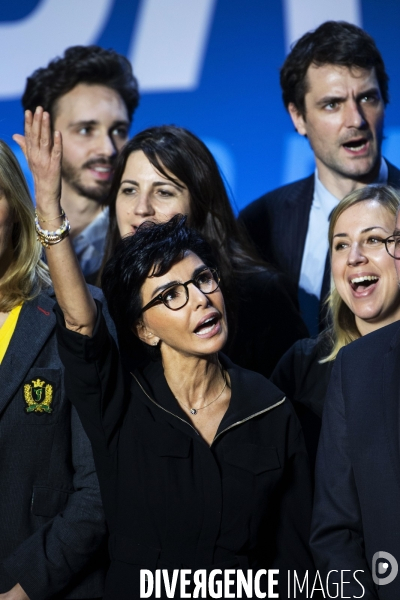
[(278, 222), (304, 380), (173, 501), (357, 500), (51, 516)]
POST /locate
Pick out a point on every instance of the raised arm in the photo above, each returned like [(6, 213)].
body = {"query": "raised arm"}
[(43, 151)]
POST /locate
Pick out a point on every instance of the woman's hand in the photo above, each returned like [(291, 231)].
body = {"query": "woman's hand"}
[(43, 152)]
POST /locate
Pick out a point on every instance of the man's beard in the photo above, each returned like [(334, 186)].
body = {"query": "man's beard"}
[(72, 176)]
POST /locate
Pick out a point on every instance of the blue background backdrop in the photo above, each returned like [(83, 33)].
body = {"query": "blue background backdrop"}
[(235, 106)]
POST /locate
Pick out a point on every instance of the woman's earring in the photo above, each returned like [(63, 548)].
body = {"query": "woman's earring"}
[(155, 343)]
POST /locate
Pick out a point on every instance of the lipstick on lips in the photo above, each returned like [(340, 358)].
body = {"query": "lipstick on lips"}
[(209, 325)]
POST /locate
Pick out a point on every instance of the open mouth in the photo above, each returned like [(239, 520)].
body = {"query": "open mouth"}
[(208, 326), (356, 145), (102, 172), (360, 284)]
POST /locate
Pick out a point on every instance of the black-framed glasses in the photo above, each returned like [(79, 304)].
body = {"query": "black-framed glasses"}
[(176, 296), (392, 245)]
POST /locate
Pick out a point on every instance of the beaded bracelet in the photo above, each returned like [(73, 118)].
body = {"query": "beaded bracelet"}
[(49, 238), (49, 220)]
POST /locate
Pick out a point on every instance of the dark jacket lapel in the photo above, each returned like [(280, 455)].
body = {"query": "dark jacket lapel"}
[(393, 175), (296, 216), (35, 324), (391, 401)]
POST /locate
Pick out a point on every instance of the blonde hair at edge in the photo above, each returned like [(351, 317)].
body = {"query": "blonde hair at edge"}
[(27, 275), (344, 329)]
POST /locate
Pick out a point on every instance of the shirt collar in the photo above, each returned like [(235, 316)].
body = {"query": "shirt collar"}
[(95, 230), (323, 199), (251, 394)]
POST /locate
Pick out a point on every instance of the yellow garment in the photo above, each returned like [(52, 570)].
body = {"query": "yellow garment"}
[(7, 330)]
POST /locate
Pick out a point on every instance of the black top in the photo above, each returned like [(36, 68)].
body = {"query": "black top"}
[(304, 380), (171, 500), (268, 321)]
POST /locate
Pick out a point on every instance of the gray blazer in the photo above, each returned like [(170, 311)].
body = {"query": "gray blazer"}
[(51, 516)]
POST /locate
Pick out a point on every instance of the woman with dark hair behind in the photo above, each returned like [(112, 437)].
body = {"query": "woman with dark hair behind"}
[(201, 463), (167, 170)]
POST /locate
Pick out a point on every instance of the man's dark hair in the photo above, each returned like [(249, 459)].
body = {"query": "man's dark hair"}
[(152, 251), (335, 43), (81, 64)]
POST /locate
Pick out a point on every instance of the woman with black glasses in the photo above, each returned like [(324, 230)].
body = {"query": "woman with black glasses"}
[(201, 464), (164, 171)]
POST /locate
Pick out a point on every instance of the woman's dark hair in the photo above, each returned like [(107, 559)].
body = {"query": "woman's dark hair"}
[(81, 64), (150, 252), (335, 43), (179, 155)]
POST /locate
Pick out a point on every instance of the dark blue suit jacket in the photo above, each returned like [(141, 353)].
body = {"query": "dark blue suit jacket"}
[(357, 501), (278, 222), (51, 517)]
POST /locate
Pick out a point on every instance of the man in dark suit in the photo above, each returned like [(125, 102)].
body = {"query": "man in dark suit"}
[(335, 88), (356, 523)]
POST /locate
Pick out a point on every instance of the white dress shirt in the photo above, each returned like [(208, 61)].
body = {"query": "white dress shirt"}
[(317, 246)]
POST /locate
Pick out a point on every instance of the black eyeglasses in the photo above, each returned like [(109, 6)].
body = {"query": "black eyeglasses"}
[(176, 296), (392, 245)]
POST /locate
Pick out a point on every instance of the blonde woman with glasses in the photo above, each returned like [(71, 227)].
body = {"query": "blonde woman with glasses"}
[(364, 297)]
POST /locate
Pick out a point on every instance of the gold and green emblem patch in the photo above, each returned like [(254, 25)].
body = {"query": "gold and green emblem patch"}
[(38, 395)]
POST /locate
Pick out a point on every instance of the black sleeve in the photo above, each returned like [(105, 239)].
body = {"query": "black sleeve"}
[(94, 380), (281, 324), (337, 535), (268, 323), (294, 515), (285, 374)]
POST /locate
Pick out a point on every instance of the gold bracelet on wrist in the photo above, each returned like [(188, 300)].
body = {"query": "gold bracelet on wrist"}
[(49, 220), (50, 238)]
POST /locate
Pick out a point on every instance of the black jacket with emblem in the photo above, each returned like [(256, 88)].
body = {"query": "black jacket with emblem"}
[(172, 501), (51, 518)]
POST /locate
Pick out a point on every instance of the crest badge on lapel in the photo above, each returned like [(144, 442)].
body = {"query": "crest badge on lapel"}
[(38, 395)]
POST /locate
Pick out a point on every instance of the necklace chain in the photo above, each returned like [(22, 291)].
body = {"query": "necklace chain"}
[(194, 411)]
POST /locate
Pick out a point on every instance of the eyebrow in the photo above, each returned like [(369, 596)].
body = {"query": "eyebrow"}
[(362, 231), (331, 99), (155, 183), (372, 91), (93, 122), (165, 286), (83, 123)]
